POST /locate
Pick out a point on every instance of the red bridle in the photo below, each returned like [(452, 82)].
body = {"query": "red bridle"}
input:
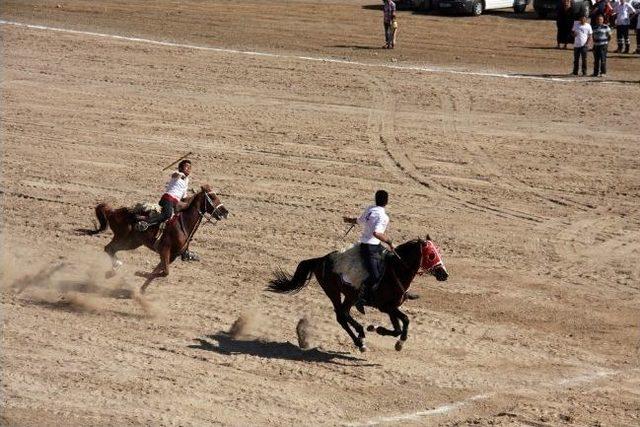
[(430, 257)]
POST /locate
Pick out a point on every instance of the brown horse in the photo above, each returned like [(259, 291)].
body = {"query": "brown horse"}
[(176, 236), (410, 258)]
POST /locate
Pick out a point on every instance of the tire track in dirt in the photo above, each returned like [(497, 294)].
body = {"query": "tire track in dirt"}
[(610, 242), (462, 107), (382, 133)]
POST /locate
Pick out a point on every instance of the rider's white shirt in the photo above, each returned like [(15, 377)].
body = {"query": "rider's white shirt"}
[(374, 218), (177, 187)]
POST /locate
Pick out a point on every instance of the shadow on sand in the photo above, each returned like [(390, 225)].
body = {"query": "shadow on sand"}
[(227, 345), (355, 46), (583, 79)]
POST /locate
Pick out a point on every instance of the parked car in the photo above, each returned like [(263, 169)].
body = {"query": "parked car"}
[(545, 8), (418, 5), (476, 7)]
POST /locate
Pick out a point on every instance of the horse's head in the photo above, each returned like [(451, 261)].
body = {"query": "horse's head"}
[(431, 261), (212, 204)]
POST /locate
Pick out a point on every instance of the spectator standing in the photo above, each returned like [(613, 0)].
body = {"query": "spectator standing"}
[(389, 10), (604, 8), (583, 36), (601, 37), (564, 22), (623, 12), (638, 33)]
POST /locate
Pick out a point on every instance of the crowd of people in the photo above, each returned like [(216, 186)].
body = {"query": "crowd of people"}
[(596, 35), (573, 28)]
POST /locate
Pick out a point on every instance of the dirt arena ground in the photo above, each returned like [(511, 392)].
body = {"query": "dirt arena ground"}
[(529, 183)]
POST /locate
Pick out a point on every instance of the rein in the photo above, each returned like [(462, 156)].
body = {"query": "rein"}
[(202, 214)]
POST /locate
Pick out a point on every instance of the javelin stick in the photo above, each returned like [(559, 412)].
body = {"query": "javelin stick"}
[(181, 158), (350, 228)]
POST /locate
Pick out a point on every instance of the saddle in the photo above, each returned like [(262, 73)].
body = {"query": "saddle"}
[(348, 264), (145, 210)]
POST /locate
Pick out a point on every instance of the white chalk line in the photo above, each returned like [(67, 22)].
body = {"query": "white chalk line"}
[(424, 69), (444, 409)]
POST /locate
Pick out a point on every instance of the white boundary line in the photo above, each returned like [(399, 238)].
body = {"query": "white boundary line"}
[(424, 69), (444, 409)]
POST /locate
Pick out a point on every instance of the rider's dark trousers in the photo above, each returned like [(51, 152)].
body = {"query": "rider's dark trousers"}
[(372, 258), (167, 212)]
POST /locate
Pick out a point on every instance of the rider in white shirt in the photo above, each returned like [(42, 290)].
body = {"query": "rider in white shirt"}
[(374, 221), (175, 191)]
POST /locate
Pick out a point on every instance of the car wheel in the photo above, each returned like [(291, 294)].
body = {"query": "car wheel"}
[(477, 8), (519, 8)]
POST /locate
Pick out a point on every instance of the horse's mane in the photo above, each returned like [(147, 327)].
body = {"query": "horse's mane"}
[(411, 242), (205, 188)]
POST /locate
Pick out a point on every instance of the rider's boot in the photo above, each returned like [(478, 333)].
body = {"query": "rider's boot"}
[(189, 256)]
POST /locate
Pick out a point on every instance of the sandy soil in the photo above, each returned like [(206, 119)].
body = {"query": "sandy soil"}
[(529, 186)]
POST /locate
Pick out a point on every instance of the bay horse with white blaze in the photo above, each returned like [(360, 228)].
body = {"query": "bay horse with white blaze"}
[(412, 258), (177, 234)]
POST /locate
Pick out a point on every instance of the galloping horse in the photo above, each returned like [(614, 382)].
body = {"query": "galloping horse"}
[(413, 257), (176, 236)]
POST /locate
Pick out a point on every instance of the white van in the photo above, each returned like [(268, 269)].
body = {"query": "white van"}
[(476, 7)]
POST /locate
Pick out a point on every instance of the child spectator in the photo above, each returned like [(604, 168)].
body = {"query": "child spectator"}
[(601, 37), (582, 32)]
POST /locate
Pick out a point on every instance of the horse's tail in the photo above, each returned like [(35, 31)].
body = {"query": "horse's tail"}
[(102, 211), (284, 283)]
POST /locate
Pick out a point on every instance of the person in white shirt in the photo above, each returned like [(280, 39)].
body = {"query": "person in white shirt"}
[(175, 191), (583, 34), (374, 220), (623, 12)]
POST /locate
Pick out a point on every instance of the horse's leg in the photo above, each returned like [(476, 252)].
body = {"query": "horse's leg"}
[(381, 330), (154, 273), (161, 270), (343, 319), (349, 300), (405, 328), (331, 287), (111, 248)]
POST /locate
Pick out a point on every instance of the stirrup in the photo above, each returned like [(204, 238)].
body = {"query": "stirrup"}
[(141, 226)]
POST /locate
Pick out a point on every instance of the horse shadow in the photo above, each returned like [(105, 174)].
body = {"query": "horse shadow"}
[(229, 346)]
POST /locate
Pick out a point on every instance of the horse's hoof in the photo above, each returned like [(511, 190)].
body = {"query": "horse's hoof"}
[(399, 345), (371, 328), (362, 348), (117, 264)]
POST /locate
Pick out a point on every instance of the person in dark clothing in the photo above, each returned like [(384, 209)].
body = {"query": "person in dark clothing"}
[(564, 23)]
